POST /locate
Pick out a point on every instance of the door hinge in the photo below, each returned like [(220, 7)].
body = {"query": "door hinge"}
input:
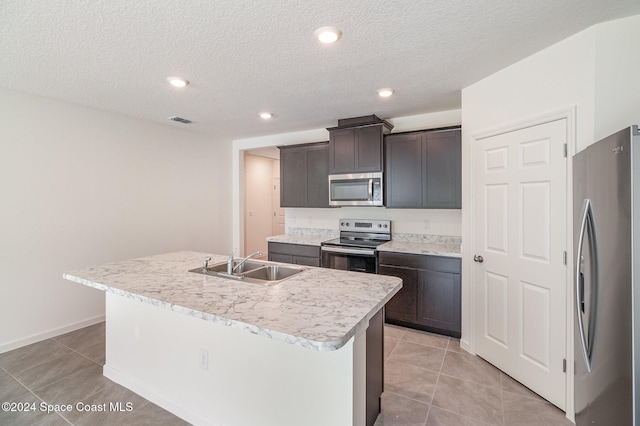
[(564, 365), (564, 257), (566, 150)]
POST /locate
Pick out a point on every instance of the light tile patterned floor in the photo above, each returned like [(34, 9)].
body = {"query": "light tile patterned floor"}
[(68, 369), (429, 380)]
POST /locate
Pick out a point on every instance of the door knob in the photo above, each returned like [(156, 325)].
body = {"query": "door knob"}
[(478, 259)]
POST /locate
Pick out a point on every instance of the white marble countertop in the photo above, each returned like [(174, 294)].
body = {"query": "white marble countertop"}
[(440, 247), (432, 249), (319, 308), (309, 240)]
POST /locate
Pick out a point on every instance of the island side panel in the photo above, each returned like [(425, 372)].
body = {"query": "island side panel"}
[(249, 379), (375, 366)]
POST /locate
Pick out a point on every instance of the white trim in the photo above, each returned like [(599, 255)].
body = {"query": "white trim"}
[(571, 151), (50, 333), (569, 114), (554, 115)]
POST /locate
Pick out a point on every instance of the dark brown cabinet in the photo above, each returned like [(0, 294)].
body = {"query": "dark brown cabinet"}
[(356, 145), (430, 295), (424, 169), (439, 301), (304, 171), (357, 150), (404, 305), (298, 254)]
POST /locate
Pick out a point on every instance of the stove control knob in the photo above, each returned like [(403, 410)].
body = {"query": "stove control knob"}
[(385, 225), (347, 223), (341, 223), (379, 225)]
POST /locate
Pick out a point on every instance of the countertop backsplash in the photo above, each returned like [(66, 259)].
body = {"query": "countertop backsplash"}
[(329, 233)]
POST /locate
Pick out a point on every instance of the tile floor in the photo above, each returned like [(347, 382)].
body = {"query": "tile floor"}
[(429, 380)]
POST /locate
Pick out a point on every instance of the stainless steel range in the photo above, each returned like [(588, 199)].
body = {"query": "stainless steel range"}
[(355, 250)]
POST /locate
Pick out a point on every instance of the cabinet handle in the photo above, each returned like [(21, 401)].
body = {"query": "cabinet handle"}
[(478, 259)]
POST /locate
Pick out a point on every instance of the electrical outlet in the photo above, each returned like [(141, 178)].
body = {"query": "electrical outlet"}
[(203, 359), (427, 224)]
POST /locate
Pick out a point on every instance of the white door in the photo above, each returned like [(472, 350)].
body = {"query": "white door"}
[(520, 235), (278, 212)]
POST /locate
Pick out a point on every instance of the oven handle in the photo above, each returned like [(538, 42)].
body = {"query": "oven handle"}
[(348, 251)]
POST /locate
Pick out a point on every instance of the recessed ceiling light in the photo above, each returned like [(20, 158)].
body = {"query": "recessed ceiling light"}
[(328, 34), (266, 115), (177, 81), (385, 93)]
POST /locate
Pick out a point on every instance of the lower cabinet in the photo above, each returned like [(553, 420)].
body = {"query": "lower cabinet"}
[(430, 295), (298, 254), (404, 305)]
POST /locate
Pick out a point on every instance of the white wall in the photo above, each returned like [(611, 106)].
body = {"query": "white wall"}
[(81, 187), (558, 77), (441, 222), (617, 98)]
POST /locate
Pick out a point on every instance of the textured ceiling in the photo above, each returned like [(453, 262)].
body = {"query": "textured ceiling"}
[(243, 57)]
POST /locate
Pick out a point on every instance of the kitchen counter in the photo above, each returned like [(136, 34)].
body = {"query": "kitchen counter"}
[(213, 351), (309, 240), (438, 246), (319, 308), (432, 249)]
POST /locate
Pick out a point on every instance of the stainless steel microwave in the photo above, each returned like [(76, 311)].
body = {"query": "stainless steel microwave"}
[(356, 189)]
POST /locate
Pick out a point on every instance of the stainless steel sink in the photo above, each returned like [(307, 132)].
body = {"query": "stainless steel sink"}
[(272, 273), (266, 273), (245, 267)]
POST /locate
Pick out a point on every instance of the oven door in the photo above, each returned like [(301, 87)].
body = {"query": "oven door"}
[(349, 259)]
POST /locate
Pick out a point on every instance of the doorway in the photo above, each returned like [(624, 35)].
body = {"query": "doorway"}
[(263, 216)]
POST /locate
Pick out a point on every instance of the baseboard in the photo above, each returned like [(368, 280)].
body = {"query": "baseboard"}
[(158, 399), (6, 347)]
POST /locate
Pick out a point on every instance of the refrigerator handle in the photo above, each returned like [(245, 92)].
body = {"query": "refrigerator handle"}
[(586, 227)]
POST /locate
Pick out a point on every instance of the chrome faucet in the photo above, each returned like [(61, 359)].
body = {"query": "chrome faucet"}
[(206, 264), (231, 269)]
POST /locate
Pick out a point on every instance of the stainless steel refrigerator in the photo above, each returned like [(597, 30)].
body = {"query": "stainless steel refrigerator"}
[(606, 203)]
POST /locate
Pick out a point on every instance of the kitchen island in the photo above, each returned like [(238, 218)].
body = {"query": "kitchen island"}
[(226, 352)]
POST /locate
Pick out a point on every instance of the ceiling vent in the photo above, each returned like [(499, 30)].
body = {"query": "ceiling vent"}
[(180, 119)]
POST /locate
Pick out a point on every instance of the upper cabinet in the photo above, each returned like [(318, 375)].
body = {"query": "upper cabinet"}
[(356, 145), (304, 171), (423, 169)]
